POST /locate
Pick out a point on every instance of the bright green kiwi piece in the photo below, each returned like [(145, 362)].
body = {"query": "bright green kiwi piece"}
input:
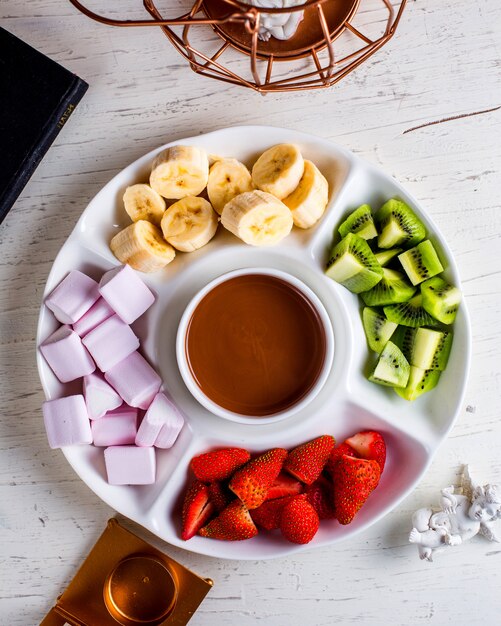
[(359, 222), (421, 262), (385, 256), (378, 329), (440, 299), (409, 313), (420, 381), (352, 263), (392, 369), (392, 288), (398, 225), (425, 348)]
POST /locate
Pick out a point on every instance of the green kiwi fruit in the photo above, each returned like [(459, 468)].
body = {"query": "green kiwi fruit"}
[(398, 225), (352, 263), (378, 329), (421, 262), (359, 222), (420, 381), (392, 288), (409, 313), (425, 348), (392, 369), (384, 257), (440, 299)]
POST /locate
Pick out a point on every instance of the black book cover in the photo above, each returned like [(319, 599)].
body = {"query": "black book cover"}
[(37, 96)]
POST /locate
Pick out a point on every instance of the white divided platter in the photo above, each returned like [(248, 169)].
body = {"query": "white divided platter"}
[(346, 404)]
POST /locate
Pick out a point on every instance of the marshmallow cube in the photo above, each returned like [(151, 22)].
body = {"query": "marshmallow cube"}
[(97, 313), (126, 293), (66, 421), (130, 465), (73, 297), (117, 428), (161, 424), (135, 380), (66, 355), (99, 396), (110, 342)]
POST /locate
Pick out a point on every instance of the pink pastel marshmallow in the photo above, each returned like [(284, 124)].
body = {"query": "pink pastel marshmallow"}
[(161, 424), (66, 355), (135, 380), (110, 342), (117, 428), (126, 293), (130, 465), (73, 297), (66, 421), (100, 397), (97, 313)]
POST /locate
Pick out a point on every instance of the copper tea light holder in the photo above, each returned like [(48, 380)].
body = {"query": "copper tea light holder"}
[(328, 44)]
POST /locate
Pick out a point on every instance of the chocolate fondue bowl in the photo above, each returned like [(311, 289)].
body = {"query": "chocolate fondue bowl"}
[(255, 345)]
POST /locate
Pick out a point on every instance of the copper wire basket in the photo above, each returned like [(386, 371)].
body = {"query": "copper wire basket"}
[(333, 38)]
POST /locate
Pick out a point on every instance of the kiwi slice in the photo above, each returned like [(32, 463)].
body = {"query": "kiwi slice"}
[(440, 299), (359, 222), (398, 225), (421, 262), (420, 381), (352, 263), (409, 313), (392, 369), (425, 348), (392, 288), (385, 256), (378, 329)]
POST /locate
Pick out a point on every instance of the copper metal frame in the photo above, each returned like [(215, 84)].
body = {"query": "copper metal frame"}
[(315, 67)]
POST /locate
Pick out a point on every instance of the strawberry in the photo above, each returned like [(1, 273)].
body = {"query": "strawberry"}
[(269, 514), (219, 464), (299, 521), (336, 454), (197, 509), (233, 524), (354, 481), (220, 496), (320, 496), (307, 461), (284, 485), (252, 481), (369, 444)]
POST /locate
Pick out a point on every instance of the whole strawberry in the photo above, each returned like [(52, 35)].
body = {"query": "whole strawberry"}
[(234, 523), (320, 495), (197, 509), (354, 481), (251, 482), (307, 461), (336, 454), (218, 464), (299, 521), (369, 444), (269, 514)]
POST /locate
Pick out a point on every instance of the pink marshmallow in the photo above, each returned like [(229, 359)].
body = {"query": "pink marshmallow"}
[(97, 313), (73, 297), (161, 424), (135, 380), (130, 465), (66, 355), (110, 342), (66, 421), (99, 396), (117, 428), (126, 293)]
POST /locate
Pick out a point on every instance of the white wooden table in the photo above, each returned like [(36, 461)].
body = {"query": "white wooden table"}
[(444, 61)]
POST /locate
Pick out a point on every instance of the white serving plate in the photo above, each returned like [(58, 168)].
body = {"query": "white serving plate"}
[(346, 404)]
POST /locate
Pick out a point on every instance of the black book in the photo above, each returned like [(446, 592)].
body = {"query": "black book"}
[(37, 96)]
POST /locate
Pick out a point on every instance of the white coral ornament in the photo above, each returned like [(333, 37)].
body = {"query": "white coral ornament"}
[(279, 25)]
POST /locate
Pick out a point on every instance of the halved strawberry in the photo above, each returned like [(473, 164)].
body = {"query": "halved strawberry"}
[(269, 514), (336, 454), (307, 461), (320, 495), (354, 481), (284, 485), (218, 464), (234, 523), (220, 496), (369, 444), (299, 521), (251, 482), (197, 509)]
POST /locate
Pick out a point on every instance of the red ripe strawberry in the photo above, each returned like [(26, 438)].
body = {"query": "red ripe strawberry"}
[(369, 444), (299, 522), (197, 509), (284, 485), (320, 496), (307, 461), (219, 464), (269, 514), (354, 481), (251, 482), (336, 454), (220, 496), (232, 524)]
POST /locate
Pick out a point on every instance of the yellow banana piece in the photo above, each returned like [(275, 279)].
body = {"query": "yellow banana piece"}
[(308, 201), (227, 178), (143, 203), (279, 170), (189, 224), (142, 246), (180, 171)]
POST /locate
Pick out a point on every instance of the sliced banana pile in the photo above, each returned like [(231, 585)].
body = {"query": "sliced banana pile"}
[(259, 207)]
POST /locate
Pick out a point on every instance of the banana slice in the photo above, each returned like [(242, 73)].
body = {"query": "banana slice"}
[(227, 178), (308, 201), (258, 218), (142, 246), (278, 170), (189, 223), (144, 203), (180, 171)]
